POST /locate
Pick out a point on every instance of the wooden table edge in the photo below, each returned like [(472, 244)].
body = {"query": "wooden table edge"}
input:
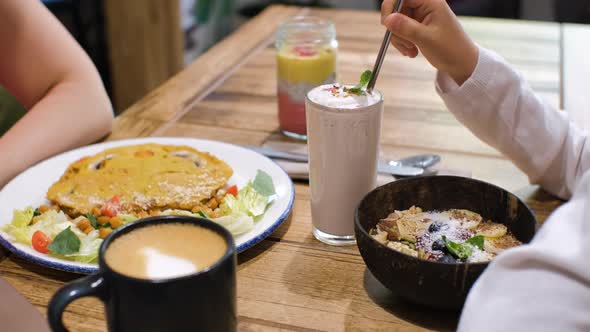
[(181, 91)]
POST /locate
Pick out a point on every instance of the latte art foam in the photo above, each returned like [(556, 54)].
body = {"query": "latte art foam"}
[(165, 251), (160, 266)]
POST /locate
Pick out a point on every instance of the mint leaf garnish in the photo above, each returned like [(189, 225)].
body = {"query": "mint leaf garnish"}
[(365, 78), (65, 243), (263, 184), (358, 89), (476, 241), (456, 249)]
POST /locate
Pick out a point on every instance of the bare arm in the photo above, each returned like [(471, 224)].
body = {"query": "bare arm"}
[(47, 71)]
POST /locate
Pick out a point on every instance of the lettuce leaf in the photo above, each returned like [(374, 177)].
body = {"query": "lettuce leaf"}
[(249, 202), (240, 212), (237, 223), (22, 218), (53, 223), (176, 212), (127, 218)]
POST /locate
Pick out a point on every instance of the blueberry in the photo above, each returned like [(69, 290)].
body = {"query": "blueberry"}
[(434, 227), (448, 259), (438, 245)]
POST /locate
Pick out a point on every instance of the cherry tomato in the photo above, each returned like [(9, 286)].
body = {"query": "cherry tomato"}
[(233, 190), (40, 242), (111, 208), (305, 51)]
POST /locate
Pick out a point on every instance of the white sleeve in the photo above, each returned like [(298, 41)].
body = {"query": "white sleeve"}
[(499, 107), (543, 286)]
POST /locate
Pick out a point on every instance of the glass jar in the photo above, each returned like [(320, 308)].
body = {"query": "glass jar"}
[(306, 57)]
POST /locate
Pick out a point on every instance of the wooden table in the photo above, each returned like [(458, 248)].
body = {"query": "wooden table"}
[(291, 281)]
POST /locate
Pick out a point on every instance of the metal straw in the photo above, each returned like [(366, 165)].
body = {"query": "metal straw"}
[(384, 45)]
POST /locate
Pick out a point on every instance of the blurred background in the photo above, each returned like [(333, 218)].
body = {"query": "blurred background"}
[(138, 44)]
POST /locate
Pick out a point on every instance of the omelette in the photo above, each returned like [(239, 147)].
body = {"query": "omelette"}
[(144, 177)]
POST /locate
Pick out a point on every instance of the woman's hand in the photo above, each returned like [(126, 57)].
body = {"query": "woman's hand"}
[(431, 27)]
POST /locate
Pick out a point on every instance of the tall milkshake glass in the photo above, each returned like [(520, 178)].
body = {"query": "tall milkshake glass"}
[(343, 132)]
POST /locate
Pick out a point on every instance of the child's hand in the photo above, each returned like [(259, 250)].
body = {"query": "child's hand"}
[(432, 27)]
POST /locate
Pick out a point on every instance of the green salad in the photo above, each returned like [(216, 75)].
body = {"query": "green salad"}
[(53, 232)]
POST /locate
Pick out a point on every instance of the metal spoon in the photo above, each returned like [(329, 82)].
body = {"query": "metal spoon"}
[(384, 45), (421, 161)]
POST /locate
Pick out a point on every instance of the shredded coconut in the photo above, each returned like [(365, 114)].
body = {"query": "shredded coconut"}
[(447, 226)]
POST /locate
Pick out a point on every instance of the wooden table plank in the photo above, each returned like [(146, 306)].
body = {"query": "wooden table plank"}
[(576, 73)]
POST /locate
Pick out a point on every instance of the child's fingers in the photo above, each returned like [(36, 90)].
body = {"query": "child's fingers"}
[(402, 50), (405, 46), (419, 3), (407, 51), (405, 42), (409, 12), (413, 52), (386, 9), (406, 27)]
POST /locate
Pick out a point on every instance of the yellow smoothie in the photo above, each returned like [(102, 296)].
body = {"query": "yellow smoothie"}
[(305, 64)]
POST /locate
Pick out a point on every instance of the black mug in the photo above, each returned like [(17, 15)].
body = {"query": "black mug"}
[(203, 301)]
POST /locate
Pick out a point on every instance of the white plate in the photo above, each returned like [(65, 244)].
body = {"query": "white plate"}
[(30, 187)]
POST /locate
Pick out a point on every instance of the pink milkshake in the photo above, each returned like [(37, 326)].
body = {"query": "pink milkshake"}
[(343, 132)]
